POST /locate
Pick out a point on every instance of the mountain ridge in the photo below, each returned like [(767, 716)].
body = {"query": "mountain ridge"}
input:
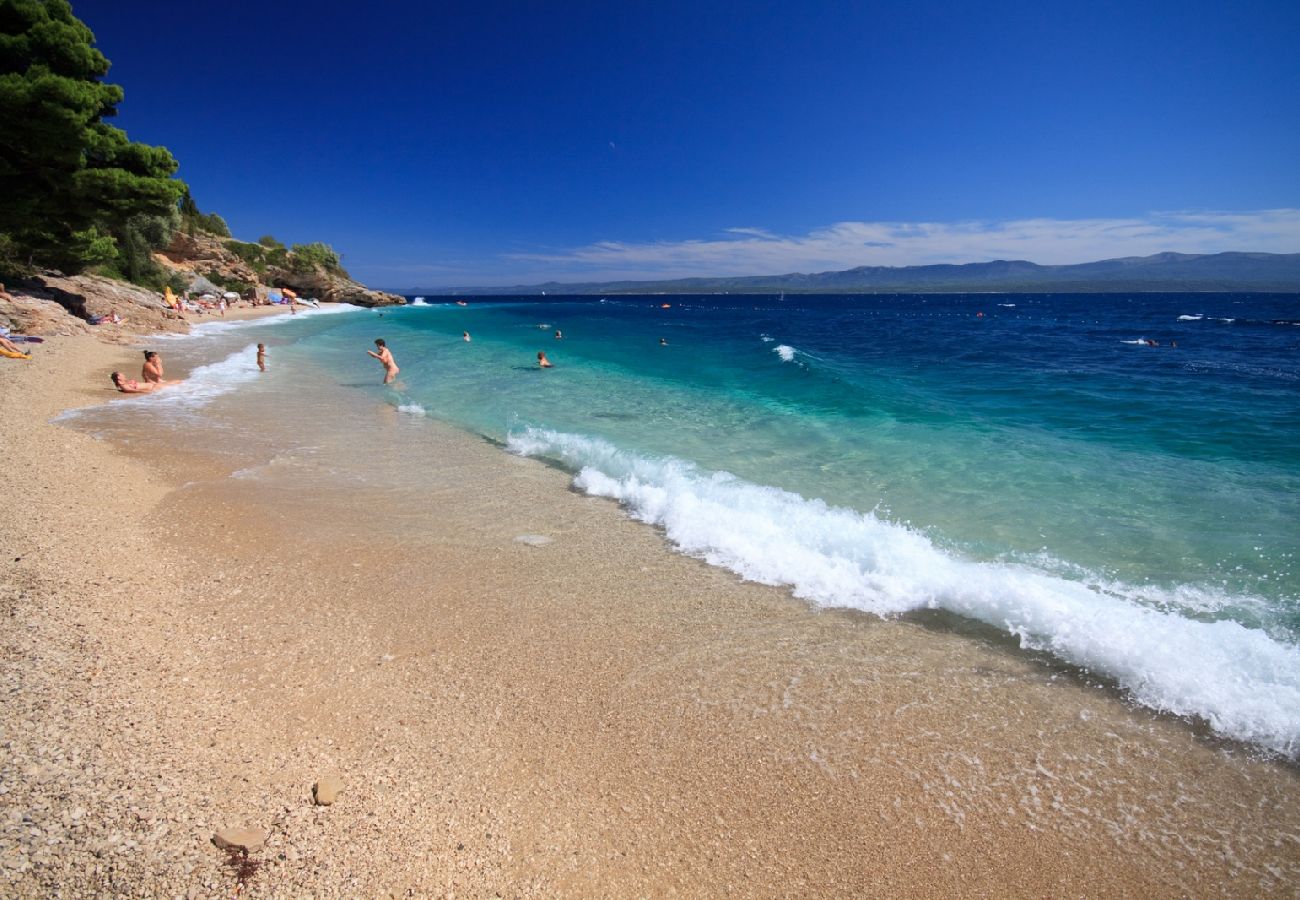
[(1167, 271)]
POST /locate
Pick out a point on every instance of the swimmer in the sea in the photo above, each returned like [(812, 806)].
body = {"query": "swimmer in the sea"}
[(663, 342), (543, 361), (559, 335), (464, 336), (385, 356)]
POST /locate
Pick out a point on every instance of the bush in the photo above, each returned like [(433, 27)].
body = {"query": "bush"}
[(253, 254), (270, 243), (227, 284), (306, 257)]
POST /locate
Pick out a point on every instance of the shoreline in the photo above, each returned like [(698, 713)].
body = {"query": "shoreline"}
[(617, 717)]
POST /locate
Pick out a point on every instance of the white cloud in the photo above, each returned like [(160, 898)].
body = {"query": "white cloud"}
[(758, 251)]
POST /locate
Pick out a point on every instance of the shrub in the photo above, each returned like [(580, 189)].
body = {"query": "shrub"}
[(307, 257)]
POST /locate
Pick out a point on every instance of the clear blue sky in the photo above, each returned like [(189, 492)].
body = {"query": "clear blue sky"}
[(501, 143)]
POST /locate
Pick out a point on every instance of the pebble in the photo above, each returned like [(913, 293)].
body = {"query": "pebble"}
[(239, 838), (327, 790)]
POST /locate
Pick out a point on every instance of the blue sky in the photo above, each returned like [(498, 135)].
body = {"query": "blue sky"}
[(506, 143)]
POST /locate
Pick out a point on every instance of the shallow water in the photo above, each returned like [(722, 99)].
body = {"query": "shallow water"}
[(1130, 509)]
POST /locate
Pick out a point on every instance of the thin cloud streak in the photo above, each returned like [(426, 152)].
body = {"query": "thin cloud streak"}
[(757, 251)]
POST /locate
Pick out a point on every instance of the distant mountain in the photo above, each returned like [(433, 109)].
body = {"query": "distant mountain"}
[(1276, 272)]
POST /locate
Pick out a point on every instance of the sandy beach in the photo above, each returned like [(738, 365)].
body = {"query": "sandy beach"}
[(531, 694)]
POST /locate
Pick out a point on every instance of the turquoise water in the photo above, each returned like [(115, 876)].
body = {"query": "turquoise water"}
[(1028, 461)]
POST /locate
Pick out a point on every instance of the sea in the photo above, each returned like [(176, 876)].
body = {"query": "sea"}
[(1113, 480)]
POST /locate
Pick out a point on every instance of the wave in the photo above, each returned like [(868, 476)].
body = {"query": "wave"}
[(1244, 683), (220, 326), (1008, 305), (418, 301), (1190, 318), (785, 351), (413, 409)]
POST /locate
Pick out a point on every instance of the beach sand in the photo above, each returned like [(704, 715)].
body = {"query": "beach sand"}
[(524, 692)]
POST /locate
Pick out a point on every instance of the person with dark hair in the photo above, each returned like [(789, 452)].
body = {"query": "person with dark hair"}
[(543, 361), (385, 356), (131, 386), (153, 367)]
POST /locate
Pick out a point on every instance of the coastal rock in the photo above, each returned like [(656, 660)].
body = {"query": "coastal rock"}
[(332, 287), (327, 790), (52, 303), (205, 256), (237, 838)]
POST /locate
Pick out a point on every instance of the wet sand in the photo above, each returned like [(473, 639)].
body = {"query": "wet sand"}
[(582, 712)]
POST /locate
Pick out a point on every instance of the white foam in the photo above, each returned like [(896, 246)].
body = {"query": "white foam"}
[(418, 301), (1190, 318), (1008, 305), (1240, 680), (766, 338), (785, 351), (412, 409), (219, 326)]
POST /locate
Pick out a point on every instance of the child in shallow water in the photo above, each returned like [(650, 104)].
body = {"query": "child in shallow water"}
[(261, 357)]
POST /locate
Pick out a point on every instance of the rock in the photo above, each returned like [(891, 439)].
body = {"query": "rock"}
[(239, 838), (50, 304), (327, 790)]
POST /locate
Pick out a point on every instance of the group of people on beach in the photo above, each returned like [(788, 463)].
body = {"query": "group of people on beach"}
[(151, 377)]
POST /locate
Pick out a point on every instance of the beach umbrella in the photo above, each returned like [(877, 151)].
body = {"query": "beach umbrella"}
[(230, 295)]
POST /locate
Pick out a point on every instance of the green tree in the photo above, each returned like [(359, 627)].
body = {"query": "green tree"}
[(68, 180)]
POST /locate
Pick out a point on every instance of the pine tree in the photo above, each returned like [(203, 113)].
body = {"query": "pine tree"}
[(69, 182)]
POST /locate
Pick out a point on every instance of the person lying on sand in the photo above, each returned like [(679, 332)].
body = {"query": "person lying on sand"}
[(6, 344), (131, 386)]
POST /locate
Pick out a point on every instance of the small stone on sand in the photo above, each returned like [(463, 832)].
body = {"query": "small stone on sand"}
[(239, 838), (327, 789)]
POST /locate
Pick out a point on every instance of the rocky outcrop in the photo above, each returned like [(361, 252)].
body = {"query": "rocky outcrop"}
[(50, 304), (209, 256), (331, 287)]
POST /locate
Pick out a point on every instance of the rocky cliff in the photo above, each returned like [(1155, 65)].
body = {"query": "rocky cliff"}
[(212, 258), (51, 303)]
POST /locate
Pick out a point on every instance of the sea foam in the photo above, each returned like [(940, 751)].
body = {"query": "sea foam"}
[(1244, 683)]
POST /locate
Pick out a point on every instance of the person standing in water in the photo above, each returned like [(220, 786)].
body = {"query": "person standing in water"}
[(261, 357), (543, 361), (385, 356), (464, 335)]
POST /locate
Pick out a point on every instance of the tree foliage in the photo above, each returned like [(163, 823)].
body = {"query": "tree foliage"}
[(71, 186)]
